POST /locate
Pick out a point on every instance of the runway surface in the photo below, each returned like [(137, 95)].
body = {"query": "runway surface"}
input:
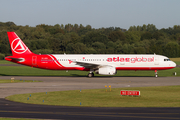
[(77, 83), (20, 110)]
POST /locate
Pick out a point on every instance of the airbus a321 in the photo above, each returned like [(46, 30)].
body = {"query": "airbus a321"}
[(104, 64)]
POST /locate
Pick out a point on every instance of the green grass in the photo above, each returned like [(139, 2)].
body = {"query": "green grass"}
[(29, 71), (176, 60), (6, 62), (17, 81), (166, 96)]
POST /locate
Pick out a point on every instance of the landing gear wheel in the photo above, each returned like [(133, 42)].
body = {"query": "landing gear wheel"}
[(156, 75), (91, 75)]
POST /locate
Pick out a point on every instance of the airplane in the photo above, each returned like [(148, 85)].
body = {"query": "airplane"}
[(103, 64)]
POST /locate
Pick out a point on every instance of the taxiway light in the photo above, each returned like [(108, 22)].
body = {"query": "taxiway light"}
[(110, 87), (12, 79), (106, 88)]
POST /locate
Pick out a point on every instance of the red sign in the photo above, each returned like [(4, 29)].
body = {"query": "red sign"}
[(130, 92)]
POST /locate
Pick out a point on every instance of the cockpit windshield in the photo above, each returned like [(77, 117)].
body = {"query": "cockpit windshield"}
[(167, 60)]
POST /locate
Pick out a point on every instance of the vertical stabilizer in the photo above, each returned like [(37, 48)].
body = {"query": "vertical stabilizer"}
[(17, 45)]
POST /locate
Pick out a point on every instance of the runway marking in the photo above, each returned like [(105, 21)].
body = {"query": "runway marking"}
[(101, 114)]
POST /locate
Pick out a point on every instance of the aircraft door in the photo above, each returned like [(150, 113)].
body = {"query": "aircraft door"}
[(34, 60), (156, 62)]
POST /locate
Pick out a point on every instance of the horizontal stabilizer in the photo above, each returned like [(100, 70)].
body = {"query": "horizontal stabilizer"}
[(15, 59)]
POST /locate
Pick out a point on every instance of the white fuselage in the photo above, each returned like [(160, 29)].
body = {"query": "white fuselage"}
[(120, 62)]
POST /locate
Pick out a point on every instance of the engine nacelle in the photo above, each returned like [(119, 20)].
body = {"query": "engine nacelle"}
[(106, 71)]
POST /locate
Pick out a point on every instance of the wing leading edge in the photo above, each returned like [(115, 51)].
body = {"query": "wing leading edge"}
[(90, 65)]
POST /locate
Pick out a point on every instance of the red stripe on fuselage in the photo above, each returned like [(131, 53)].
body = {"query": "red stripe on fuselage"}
[(61, 67), (56, 61)]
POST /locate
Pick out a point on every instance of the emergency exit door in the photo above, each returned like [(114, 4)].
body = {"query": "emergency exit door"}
[(34, 60)]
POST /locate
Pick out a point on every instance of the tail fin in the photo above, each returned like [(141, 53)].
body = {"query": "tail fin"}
[(17, 45)]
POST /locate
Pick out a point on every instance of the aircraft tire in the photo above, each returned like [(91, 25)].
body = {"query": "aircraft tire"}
[(90, 75)]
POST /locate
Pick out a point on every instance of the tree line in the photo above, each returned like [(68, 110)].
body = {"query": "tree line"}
[(79, 39)]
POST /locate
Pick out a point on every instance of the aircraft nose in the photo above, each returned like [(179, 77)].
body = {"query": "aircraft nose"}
[(173, 64)]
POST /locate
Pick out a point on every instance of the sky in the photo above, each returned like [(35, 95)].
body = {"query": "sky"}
[(97, 13)]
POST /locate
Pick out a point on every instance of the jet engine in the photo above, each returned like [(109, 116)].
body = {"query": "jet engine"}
[(106, 70)]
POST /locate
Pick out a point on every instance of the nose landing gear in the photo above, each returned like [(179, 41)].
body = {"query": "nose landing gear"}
[(156, 74)]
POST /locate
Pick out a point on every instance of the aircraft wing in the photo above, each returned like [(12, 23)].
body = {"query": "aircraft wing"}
[(89, 65)]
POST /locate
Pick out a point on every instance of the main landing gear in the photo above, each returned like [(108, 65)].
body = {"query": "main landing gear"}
[(91, 74), (156, 74)]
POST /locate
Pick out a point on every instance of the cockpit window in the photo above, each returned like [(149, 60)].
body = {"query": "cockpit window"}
[(167, 60)]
